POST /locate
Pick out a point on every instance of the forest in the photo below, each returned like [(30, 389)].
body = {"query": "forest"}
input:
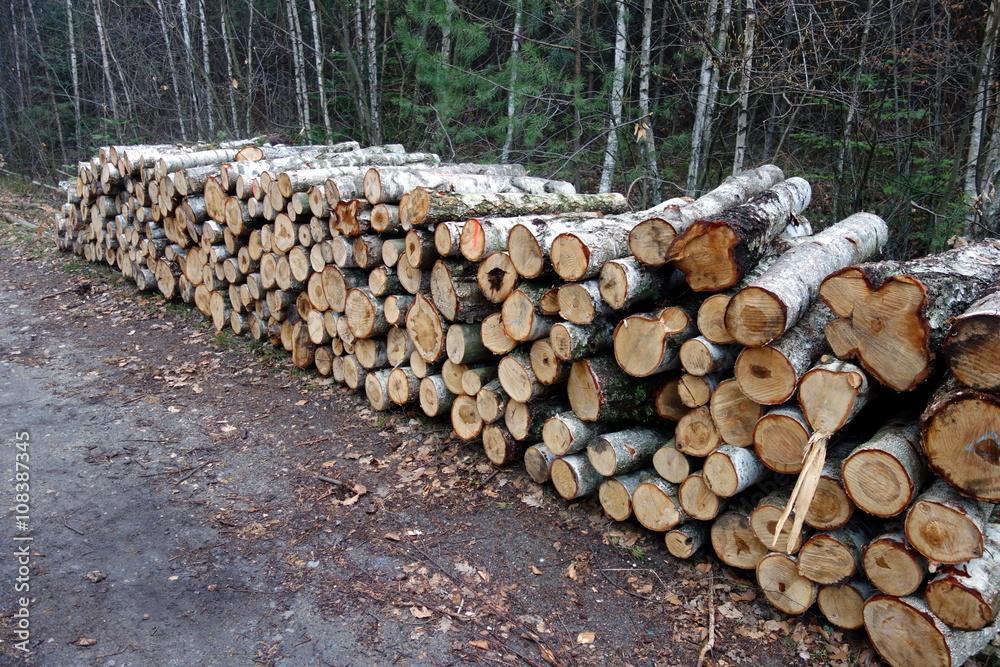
[(887, 106)]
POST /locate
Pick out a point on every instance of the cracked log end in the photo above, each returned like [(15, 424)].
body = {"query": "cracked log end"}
[(755, 317)]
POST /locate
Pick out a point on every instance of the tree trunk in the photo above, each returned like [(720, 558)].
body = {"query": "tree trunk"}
[(967, 596), (623, 451), (885, 474), (843, 605), (960, 439), (574, 477), (572, 342), (780, 438), (649, 343), (656, 504), (734, 541), (746, 70), (774, 302), (892, 565), (730, 469), (734, 414), (715, 253), (972, 346), (617, 99), (783, 586), (893, 316), (945, 527), (538, 462), (906, 633), (599, 389), (770, 374), (424, 208)]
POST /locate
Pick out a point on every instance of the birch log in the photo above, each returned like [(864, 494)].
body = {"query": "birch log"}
[(893, 316), (774, 302), (884, 475), (966, 596), (945, 527), (972, 347), (892, 565), (423, 208)]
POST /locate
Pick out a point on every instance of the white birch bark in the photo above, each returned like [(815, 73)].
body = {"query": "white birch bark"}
[(983, 81), (746, 70), (106, 63), (646, 122), (189, 64), (231, 82), (372, 72), (206, 69), (617, 97), (512, 64), (318, 52), (295, 28), (701, 106), (74, 70), (161, 10)]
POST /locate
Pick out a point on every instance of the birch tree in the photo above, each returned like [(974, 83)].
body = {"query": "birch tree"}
[(982, 83), (645, 128), (172, 65), (320, 81), (512, 64), (206, 69), (617, 99), (74, 73), (746, 70)]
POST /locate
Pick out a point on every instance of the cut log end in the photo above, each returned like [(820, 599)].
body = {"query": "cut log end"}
[(755, 317)]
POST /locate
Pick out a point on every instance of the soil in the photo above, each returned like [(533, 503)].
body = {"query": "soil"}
[(178, 515)]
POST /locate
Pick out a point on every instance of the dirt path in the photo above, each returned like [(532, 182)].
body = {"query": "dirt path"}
[(177, 517)]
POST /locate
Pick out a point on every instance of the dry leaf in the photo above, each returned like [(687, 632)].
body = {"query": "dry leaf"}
[(586, 638), (745, 596), (673, 599), (421, 612), (729, 610), (535, 570), (350, 501), (466, 569), (360, 489), (228, 429), (532, 501), (571, 571), (445, 624), (85, 641), (547, 654), (704, 568), (328, 464), (481, 644)]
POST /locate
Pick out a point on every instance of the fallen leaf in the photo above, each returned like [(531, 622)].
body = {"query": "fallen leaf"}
[(392, 536), (421, 612), (481, 644), (445, 624), (532, 501), (547, 654), (673, 599), (350, 501), (745, 596), (302, 402), (729, 610), (586, 638), (465, 568), (328, 464), (484, 575), (173, 408), (85, 641), (360, 489), (535, 570), (228, 429), (704, 568), (571, 571)]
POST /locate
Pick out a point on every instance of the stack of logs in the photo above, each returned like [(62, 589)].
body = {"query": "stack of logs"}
[(685, 362)]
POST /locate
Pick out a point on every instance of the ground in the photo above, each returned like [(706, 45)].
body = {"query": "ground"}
[(178, 516)]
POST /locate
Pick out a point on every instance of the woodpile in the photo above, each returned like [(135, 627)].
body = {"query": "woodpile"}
[(712, 368)]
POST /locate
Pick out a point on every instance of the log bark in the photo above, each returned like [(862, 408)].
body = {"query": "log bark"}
[(448, 237), (365, 313), (972, 347), (599, 389), (734, 542), (892, 565), (615, 493), (484, 236), (697, 500), (650, 240), (538, 462), (521, 313), (622, 452), (945, 527), (959, 429), (656, 504), (730, 470), (715, 253), (696, 391), (574, 477), (780, 437), (884, 475), (464, 344), (734, 414), (905, 632), (392, 250), (966, 596), (582, 253), (774, 302), (770, 374), (424, 208), (376, 389), (649, 343), (354, 374), (893, 316), (389, 184), (783, 586), (843, 605), (764, 521), (572, 342), (529, 243)]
